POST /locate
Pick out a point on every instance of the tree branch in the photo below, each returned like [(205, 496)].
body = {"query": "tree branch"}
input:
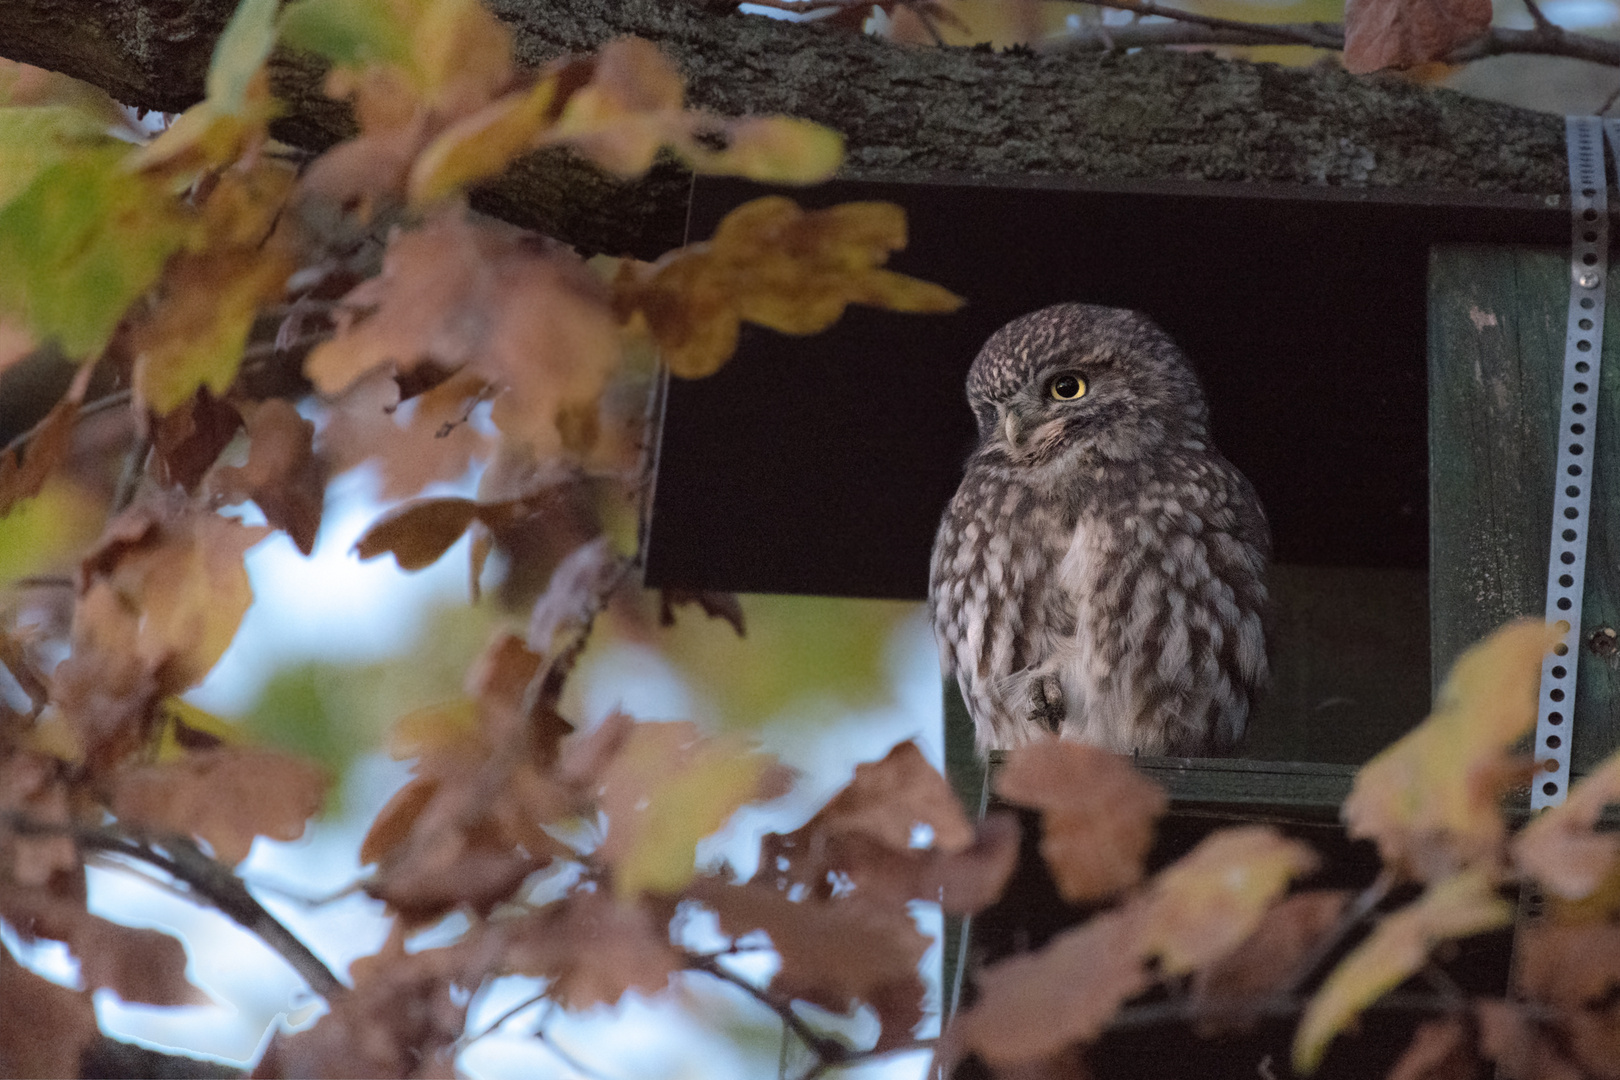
[(206, 878), (903, 111)]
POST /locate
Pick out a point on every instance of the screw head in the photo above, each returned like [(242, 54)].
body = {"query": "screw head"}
[(1589, 278)]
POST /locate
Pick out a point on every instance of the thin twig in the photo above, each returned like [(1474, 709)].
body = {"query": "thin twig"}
[(860, 1057), (1362, 906), (129, 479), (101, 404), (1191, 28), (826, 1048), (204, 877)]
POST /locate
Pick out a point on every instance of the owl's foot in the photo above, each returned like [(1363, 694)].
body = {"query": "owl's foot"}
[(1047, 709)]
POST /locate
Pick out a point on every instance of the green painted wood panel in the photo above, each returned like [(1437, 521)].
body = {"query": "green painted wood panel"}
[(1496, 347)]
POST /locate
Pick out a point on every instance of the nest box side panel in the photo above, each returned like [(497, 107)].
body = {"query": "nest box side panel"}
[(1496, 348)]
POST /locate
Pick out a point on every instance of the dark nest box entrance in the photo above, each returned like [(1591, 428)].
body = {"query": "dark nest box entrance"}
[(1384, 366)]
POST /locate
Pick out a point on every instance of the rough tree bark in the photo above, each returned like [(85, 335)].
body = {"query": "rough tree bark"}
[(1160, 115)]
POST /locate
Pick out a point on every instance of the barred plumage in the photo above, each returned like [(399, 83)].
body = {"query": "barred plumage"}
[(1100, 571)]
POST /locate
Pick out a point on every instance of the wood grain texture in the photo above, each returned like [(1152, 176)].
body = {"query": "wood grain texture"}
[(1151, 115), (1496, 347)]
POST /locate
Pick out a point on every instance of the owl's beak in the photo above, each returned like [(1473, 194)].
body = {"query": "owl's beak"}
[(1009, 427)]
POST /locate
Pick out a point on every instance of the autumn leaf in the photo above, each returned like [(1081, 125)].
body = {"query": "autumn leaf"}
[(835, 953), (237, 106), (716, 605), (31, 784), (81, 243), (1205, 903), (1097, 814), (888, 799), (1439, 1050), (528, 319), (667, 788), (187, 442), (1561, 847), (1430, 800), (1034, 1005), (418, 533), (282, 475), (1458, 906), (349, 33), (34, 138), (480, 145), (196, 335), (1268, 957), (25, 468), (774, 264), (413, 443), (47, 1026), (226, 796), (592, 947), (1405, 33), (42, 533), (176, 577)]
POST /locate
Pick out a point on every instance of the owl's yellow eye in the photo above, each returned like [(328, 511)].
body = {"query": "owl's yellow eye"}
[(1067, 388)]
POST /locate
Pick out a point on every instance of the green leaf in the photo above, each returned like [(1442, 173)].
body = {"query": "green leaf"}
[(349, 33), (48, 531), (35, 137), (82, 243), (239, 54)]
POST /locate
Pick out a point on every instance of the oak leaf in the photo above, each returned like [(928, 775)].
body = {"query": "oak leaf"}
[(665, 789), (716, 605), (47, 1027), (177, 575), (771, 263), (1562, 849), (188, 441), (1204, 904), (24, 469), (1097, 814), (1405, 33), (195, 336), (579, 586), (414, 442), (1226, 990), (593, 947), (835, 953), (282, 475), (528, 319), (1035, 1005), (1430, 799), (226, 796), (1458, 906)]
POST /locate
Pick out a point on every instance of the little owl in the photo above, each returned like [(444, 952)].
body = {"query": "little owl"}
[(1100, 572)]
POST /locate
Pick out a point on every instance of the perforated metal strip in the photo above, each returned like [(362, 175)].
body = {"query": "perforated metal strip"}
[(1577, 417)]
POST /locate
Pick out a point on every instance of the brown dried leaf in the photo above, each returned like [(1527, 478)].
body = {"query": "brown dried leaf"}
[(1205, 903), (499, 682), (1520, 1048), (593, 947), (282, 475), (1570, 966), (1097, 814), (177, 589), (835, 953), (1459, 906), (525, 317), (1405, 33), (1561, 848), (32, 785), (1033, 1006), (414, 442), (771, 263), (418, 533), (1430, 801), (24, 469), (1266, 959), (888, 799), (139, 965), (187, 441), (46, 1026), (225, 796), (716, 605), (1439, 1050)]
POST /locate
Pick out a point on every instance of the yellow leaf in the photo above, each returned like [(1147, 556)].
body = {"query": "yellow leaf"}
[(1459, 906), (47, 532), (186, 728), (770, 149), (1430, 800), (196, 335), (772, 263), (436, 727), (35, 137), (1211, 899), (240, 53), (667, 789), (480, 145)]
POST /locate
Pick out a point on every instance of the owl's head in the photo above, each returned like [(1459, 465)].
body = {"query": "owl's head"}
[(1077, 375)]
